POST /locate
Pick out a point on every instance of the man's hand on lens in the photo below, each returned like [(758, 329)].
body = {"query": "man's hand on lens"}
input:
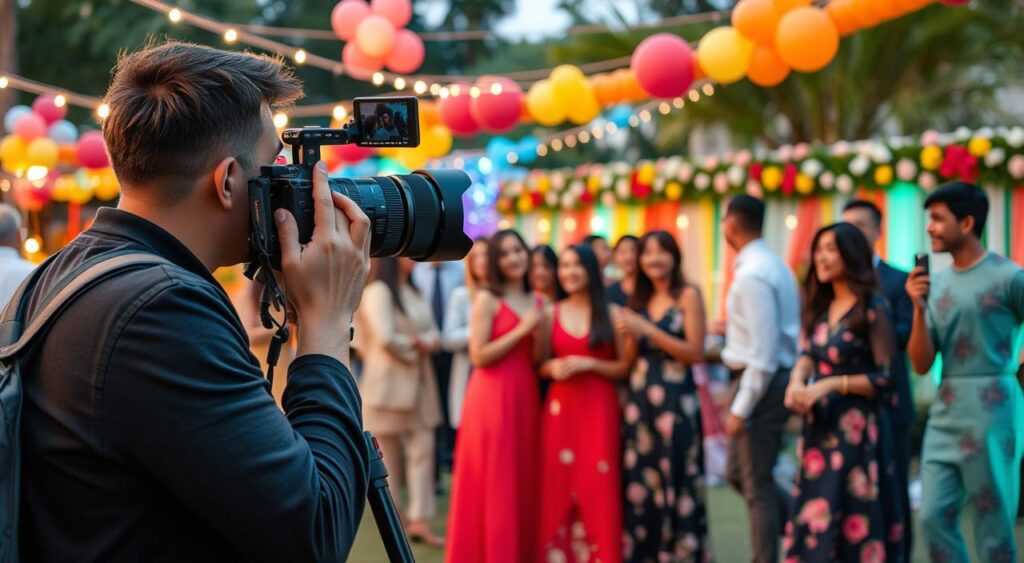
[(325, 277)]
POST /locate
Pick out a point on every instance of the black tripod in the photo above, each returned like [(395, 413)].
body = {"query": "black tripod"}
[(383, 506)]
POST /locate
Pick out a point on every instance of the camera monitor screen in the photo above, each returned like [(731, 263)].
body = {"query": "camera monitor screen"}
[(387, 122)]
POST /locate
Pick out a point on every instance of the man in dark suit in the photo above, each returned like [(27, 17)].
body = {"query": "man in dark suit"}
[(868, 218)]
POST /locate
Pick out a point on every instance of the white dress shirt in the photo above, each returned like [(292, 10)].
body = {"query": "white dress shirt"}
[(13, 270), (762, 323), (451, 277)]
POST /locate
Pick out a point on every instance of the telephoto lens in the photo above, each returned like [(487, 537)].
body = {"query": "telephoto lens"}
[(418, 215)]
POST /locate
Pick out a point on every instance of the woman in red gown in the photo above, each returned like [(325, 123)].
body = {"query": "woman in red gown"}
[(494, 490), (581, 478)]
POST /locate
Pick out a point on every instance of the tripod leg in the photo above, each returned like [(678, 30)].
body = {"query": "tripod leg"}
[(383, 506)]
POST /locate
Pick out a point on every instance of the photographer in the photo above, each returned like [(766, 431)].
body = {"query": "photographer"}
[(149, 433)]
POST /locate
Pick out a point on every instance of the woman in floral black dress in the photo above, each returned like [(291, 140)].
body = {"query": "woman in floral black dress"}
[(663, 456), (844, 506)]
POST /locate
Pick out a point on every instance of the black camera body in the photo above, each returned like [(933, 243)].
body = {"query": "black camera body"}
[(418, 215)]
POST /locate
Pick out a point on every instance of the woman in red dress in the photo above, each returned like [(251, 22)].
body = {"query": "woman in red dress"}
[(494, 489), (581, 478)]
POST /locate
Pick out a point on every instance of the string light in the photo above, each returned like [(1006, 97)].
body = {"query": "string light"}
[(544, 225), (420, 87), (683, 222), (174, 15), (378, 78), (645, 116), (504, 224), (584, 137), (708, 89), (694, 95), (443, 93), (512, 158), (435, 89), (496, 89), (455, 90), (597, 224), (542, 150), (611, 128), (32, 245), (103, 111), (664, 108), (300, 56), (280, 120), (3, 82), (598, 132), (339, 113), (474, 92), (36, 173), (634, 121), (556, 145), (231, 35), (60, 101), (458, 162), (570, 141), (5, 185), (570, 224), (399, 83), (678, 103), (791, 222)]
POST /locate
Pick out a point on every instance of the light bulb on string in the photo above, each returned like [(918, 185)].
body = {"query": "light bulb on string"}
[(399, 83), (32, 245), (570, 141), (103, 111), (455, 90), (420, 87), (300, 56), (708, 89), (678, 103), (378, 78), (60, 101), (474, 92), (645, 116), (664, 108), (280, 120), (611, 128), (231, 35), (339, 113), (542, 150), (435, 89), (556, 145), (443, 93), (584, 137), (634, 121), (3, 82), (694, 96), (512, 158), (496, 89), (174, 15), (597, 132)]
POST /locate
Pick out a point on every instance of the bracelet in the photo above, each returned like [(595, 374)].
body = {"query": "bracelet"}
[(845, 385)]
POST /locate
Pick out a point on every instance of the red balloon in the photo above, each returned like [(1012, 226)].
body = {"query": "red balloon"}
[(497, 113), (398, 11), (346, 17), (407, 55), (351, 154), (663, 65), (30, 126), (357, 64), (45, 107), (92, 151), (457, 114)]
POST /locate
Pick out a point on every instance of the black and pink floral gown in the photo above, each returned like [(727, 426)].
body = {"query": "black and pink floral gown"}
[(844, 503)]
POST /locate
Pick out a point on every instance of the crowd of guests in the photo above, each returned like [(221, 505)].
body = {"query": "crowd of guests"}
[(579, 425)]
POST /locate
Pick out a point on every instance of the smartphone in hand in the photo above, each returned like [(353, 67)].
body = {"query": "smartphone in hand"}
[(921, 261)]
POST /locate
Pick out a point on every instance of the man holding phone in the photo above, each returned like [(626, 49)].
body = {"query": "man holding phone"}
[(971, 314)]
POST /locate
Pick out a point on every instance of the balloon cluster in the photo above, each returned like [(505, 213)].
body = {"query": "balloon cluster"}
[(565, 94), (376, 37), (40, 140), (493, 104)]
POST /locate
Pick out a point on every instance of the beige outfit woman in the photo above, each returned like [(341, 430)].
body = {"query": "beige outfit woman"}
[(401, 406)]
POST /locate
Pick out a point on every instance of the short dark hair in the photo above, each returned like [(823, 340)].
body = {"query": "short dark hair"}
[(873, 209), (175, 109), (748, 212), (627, 239), (592, 238), (963, 200)]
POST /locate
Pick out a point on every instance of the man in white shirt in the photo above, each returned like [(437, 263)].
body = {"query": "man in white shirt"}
[(762, 328), (13, 268)]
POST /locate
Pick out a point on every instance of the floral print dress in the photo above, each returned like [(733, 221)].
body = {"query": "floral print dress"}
[(663, 458), (844, 504)]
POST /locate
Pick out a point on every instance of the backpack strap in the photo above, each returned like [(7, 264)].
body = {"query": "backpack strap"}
[(13, 340)]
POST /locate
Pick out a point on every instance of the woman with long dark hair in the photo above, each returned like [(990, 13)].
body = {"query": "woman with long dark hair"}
[(581, 502), (401, 406), (663, 454), (840, 510), (544, 273), (494, 492), (624, 258)]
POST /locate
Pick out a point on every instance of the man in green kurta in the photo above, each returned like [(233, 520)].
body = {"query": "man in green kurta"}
[(971, 314)]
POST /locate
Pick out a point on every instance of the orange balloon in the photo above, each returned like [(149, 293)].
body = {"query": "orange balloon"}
[(889, 10), (429, 115), (784, 6), (866, 14), (698, 72), (756, 20), (621, 80), (841, 12), (68, 154), (807, 40), (601, 85), (766, 67), (524, 112), (634, 92)]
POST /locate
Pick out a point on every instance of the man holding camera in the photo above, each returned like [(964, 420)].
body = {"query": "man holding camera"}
[(149, 433)]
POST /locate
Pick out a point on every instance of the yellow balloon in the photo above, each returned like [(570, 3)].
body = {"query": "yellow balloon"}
[(674, 190), (62, 188), (979, 146), (771, 178), (412, 158), (883, 175), (525, 203), (586, 108), (804, 184), (544, 105), (543, 184), (42, 152), (646, 174), (594, 183), (80, 194), (436, 141), (724, 54), (931, 157), (13, 154), (569, 83)]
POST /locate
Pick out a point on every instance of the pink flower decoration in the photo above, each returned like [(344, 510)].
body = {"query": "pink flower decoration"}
[(636, 493), (816, 515), (837, 460), (906, 169), (656, 395), (814, 463), (1015, 166), (821, 334), (801, 151), (930, 137), (859, 485), (665, 422), (855, 528), (872, 552), (852, 424), (824, 369), (926, 181), (833, 354), (873, 432)]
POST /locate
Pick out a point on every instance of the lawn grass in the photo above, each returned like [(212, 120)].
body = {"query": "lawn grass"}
[(728, 523)]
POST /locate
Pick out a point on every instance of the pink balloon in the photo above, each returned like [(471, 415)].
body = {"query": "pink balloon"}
[(407, 54), (30, 126), (357, 64), (663, 64), (501, 112), (457, 114), (346, 17), (376, 36), (399, 12), (351, 154), (92, 151), (45, 107)]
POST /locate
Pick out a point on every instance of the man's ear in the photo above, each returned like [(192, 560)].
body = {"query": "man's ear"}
[(966, 225), (226, 182)]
